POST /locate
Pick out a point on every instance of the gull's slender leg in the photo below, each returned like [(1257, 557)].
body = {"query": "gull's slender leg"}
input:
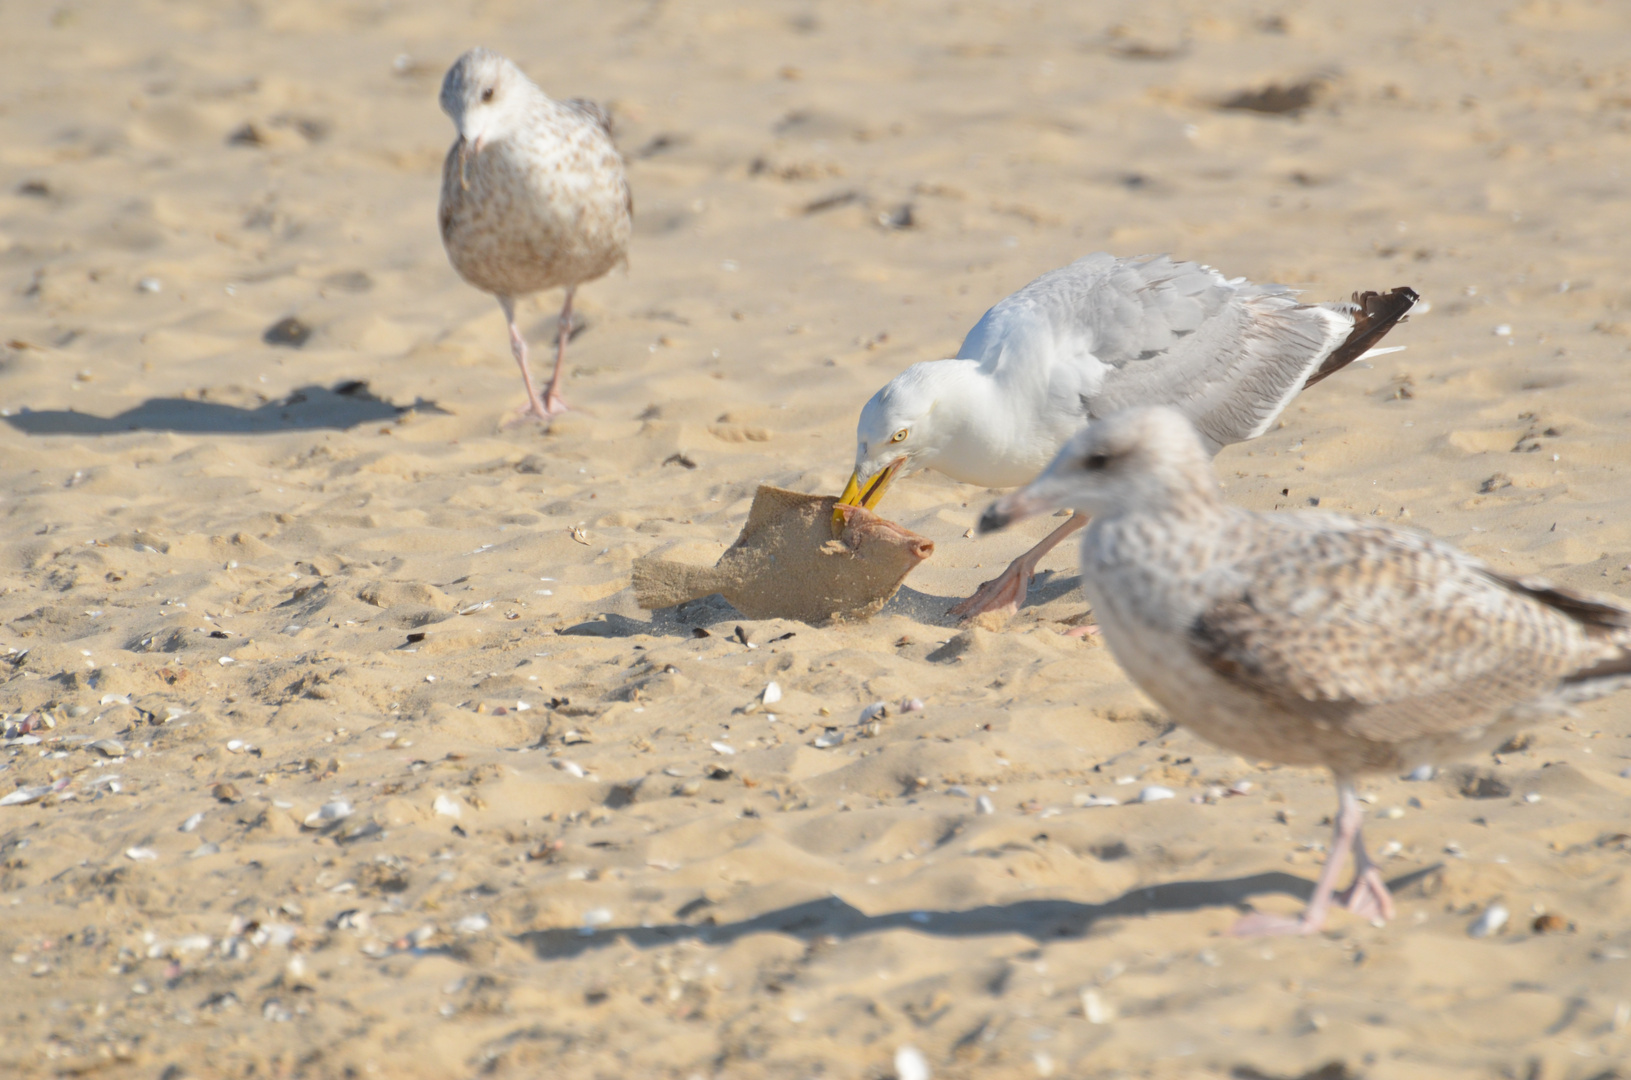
[(1344, 838), (1007, 590), (1368, 896), (534, 408), (553, 401)]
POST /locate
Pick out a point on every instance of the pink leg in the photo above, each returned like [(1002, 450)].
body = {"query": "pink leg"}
[(553, 401), (1367, 895), (1007, 590), (534, 408)]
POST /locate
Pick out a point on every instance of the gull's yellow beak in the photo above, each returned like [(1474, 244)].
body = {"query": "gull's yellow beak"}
[(871, 495)]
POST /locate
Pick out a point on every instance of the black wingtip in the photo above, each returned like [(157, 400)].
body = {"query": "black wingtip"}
[(1610, 671), (1378, 313)]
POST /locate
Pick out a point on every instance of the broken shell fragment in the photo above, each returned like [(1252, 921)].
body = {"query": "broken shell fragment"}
[(328, 814), (1490, 922)]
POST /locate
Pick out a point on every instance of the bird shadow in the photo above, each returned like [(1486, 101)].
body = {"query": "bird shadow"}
[(679, 621), (1050, 585), (344, 405), (705, 612), (1039, 920), (933, 609), (927, 608)]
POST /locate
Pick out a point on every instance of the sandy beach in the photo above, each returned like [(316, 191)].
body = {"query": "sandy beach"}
[(359, 758)]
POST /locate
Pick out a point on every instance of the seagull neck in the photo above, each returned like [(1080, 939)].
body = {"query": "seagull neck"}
[(980, 434)]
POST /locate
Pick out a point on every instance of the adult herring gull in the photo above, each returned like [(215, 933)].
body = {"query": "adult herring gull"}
[(1089, 339)]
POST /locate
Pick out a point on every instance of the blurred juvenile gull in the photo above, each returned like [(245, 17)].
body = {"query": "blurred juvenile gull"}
[(533, 198), (1312, 639), (1089, 339)]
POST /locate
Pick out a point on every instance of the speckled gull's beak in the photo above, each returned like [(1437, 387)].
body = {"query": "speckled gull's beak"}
[(464, 154), (870, 496), (1015, 506)]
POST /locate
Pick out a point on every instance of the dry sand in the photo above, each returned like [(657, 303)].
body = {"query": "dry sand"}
[(240, 539)]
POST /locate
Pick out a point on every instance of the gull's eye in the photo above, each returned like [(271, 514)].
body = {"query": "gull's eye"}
[(1095, 462), (487, 94), (899, 436)]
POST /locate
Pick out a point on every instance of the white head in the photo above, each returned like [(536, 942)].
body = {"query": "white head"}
[(484, 94), (894, 432), (1141, 459)]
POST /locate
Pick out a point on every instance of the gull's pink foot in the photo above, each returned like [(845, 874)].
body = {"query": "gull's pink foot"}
[(1368, 896), (1003, 593), (1006, 591), (554, 403), (533, 412), (1261, 924)]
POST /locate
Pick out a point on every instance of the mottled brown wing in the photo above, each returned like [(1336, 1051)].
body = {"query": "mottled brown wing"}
[(1595, 615), (602, 117), (594, 110), (1386, 635)]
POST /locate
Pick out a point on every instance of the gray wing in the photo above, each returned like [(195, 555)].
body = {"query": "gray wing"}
[(1149, 331), (1391, 636)]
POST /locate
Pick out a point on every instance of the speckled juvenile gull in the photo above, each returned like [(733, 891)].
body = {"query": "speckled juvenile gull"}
[(1089, 339), (1312, 639), (533, 197)]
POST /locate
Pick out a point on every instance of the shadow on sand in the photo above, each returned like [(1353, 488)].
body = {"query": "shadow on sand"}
[(715, 611), (1039, 920), (345, 405)]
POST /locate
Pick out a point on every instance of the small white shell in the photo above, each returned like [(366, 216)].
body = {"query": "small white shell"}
[(910, 1064), (328, 813), (1490, 922), (1096, 1008), (1155, 793), (26, 795)]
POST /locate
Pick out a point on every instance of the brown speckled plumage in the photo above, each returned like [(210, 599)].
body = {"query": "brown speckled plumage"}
[(534, 195), (1312, 639), (1366, 648)]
